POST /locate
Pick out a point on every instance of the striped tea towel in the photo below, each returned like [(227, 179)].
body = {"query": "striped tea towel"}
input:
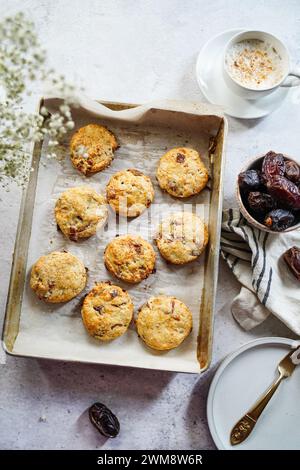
[(255, 258)]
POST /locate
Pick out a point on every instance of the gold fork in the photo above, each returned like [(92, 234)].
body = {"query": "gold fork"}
[(245, 425)]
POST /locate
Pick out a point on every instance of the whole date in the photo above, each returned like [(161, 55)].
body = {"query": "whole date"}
[(273, 165), (260, 203), (284, 191), (292, 171), (104, 420), (250, 180), (292, 259), (279, 219)]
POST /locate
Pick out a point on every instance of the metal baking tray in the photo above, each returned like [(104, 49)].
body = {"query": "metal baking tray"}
[(33, 329)]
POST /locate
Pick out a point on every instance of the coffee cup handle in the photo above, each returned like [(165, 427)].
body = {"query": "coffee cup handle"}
[(290, 83)]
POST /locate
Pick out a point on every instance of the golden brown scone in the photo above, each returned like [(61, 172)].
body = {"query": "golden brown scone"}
[(92, 148), (58, 277), (181, 172), (107, 311), (182, 237), (130, 258), (79, 212), (129, 192), (164, 322)]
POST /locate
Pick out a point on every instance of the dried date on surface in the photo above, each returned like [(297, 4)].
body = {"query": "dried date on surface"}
[(292, 171), (250, 180), (286, 193), (260, 203), (104, 420), (279, 220), (292, 259), (273, 165)]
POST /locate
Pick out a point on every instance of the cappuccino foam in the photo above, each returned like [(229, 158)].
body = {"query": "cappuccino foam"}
[(255, 64)]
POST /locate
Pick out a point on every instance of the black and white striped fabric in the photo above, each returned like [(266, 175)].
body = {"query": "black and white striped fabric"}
[(255, 258)]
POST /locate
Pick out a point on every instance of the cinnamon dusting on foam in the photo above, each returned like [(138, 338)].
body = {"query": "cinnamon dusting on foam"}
[(254, 63)]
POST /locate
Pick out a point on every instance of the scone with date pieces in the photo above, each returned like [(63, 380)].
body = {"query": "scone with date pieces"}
[(92, 148), (129, 192), (182, 237), (58, 277), (164, 322), (79, 212), (181, 172), (107, 311), (130, 258)]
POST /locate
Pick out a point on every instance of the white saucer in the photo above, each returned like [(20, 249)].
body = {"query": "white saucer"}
[(209, 72), (238, 383)]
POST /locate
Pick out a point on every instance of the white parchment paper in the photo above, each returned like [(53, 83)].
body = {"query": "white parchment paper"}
[(56, 331)]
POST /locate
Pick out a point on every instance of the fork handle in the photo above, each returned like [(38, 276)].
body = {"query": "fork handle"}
[(262, 402), (245, 425)]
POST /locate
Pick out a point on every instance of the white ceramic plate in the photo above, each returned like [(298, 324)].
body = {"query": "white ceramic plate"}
[(238, 383), (209, 71)]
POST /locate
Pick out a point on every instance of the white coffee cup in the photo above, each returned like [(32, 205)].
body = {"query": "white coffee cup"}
[(252, 92)]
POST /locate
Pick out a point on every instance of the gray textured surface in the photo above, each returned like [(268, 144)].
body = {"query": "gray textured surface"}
[(136, 51)]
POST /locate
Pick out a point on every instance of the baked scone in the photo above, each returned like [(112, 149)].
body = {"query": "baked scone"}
[(164, 322), (79, 212), (182, 237), (58, 277), (130, 258), (181, 172), (107, 311), (129, 192), (92, 148)]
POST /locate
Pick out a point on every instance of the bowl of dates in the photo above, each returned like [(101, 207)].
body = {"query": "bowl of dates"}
[(268, 193)]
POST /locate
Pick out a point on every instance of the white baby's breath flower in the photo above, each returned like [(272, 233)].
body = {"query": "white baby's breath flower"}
[(82, 151), (70, 125), (52, 143), (51, 155), (22, 60), (65, 109)]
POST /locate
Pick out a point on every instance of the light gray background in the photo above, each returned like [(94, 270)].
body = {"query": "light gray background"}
[(136, 51)]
